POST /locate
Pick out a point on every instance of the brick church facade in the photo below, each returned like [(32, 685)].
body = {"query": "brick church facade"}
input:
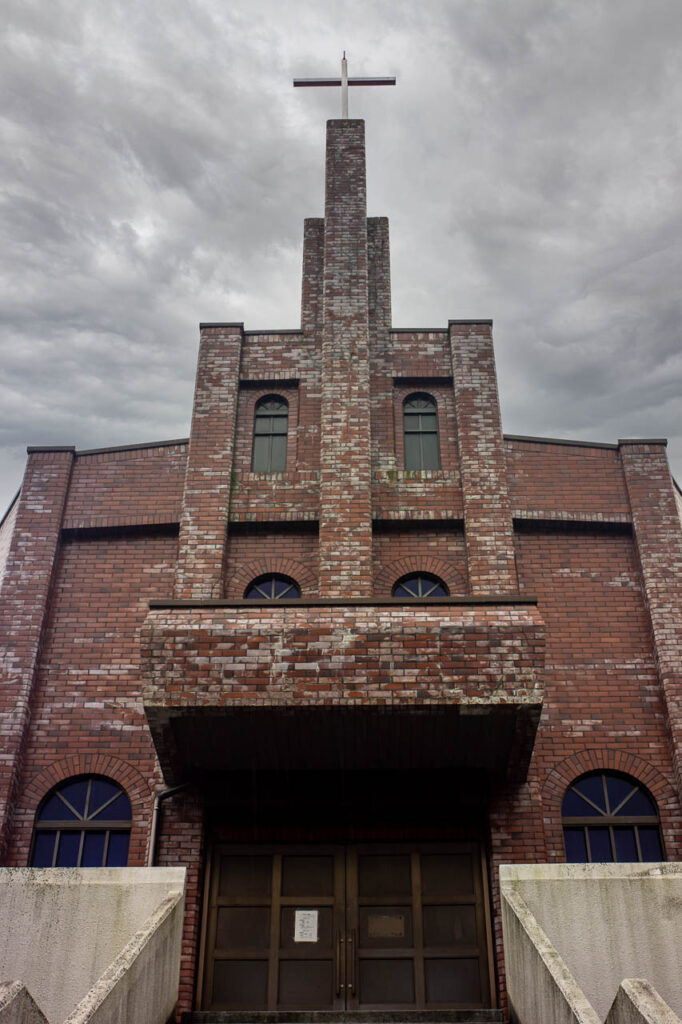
[(372, 640)]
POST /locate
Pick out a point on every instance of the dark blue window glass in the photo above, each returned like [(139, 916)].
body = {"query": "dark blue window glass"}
[(576, 850), (117, 810), (56, 810), (638, 805), (575, 807), (273, 588), (626, 847), (420, 584), (650, 844), (600, 844), (117, 856), (618, 789), (100, 794), (622, 827), (75, 793), (89, 804), (43, 849), (93, 850), (67, 852), (593, 788)]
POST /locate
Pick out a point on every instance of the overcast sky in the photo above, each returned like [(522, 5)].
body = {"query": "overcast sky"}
[(157, 165)]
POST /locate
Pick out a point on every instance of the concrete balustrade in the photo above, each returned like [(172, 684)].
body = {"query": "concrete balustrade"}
[(95, 945), (577, 935)]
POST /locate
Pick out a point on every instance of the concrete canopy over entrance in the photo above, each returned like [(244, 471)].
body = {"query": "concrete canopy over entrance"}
[(337, 684)]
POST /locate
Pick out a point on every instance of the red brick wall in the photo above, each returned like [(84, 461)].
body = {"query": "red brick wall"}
[(563, 480), (87, 714), (400, 550), (291, 553), (26, 588), (87, 698), (603, 704), (601, 687), (130, 486)]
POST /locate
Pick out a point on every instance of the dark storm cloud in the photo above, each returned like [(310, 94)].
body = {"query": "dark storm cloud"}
[(157, 165)]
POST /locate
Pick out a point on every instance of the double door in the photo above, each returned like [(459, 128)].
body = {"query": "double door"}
[(400, 926)]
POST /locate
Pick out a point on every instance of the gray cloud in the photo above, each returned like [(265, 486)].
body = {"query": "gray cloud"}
[(157, 166)]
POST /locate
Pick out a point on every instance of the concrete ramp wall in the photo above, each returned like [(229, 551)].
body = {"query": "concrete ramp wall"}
[(63, 929), (586, 928)]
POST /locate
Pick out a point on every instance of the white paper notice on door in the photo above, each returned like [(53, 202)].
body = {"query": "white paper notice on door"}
[(305, 926)]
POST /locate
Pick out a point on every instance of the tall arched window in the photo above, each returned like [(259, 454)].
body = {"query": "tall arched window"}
[(420, 425), (82, 823), (273, 587), (609, 817), (420, 584), (270, 427)]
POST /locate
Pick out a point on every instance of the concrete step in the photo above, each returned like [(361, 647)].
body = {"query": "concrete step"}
[(345, 1017)]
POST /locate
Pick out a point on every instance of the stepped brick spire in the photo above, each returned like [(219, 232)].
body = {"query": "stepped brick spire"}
[(345, 476)]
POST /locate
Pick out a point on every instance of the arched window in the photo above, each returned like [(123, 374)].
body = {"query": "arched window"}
[(420, 425), (273, 588), (420, 584), (609, 817), (270, 435), (82, 823)]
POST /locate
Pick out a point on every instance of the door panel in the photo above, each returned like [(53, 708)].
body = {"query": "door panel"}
[(399, 926), (272, 925)]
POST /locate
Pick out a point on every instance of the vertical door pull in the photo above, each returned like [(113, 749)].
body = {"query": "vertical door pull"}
[(339, 983), (351, 940)]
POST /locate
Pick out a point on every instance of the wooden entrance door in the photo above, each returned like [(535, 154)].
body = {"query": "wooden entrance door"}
[(399, 926)]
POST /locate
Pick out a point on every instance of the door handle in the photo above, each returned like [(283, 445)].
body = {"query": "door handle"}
[(351, 940), (339, 983)]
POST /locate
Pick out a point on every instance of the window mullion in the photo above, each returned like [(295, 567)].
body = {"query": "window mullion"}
[(81, 843)]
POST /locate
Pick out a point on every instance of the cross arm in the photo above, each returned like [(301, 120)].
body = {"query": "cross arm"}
[(338, 81)]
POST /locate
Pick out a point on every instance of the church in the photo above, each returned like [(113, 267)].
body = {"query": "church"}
[(343, 652)]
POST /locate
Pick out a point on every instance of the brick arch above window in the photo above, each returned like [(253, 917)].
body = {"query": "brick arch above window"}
[(123, 773), (609, 760), (249, 571), (389, 574)]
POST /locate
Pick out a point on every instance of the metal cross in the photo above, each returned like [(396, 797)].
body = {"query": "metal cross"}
[(344, 82)]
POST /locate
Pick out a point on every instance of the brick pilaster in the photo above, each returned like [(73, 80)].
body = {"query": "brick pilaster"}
[(487, 510), (658, 537), (313, 270), (208, 478), (379, 276), (345, 476), (381, 382), (24, 609)]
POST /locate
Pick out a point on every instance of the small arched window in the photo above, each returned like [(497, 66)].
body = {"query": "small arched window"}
[(82, 823), (420, 425), (420, 584), (270, 427), (609, 817), (273, 587)]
